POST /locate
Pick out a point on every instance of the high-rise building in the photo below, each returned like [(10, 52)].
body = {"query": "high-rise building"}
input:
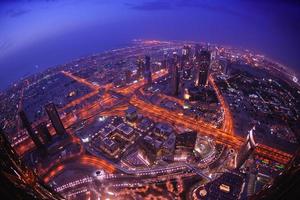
[(140, 66), (225, 65), (147, 71), (202, 68), (55, 119), (246, 150), (185, 56), (43, 130), (286, 185), (175, 75), (164, 61), (36, 140)]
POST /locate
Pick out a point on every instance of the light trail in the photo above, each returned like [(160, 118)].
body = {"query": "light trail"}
[(228, 121)]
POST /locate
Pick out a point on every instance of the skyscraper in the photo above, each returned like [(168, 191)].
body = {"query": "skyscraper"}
[(55, 119), (164, 61), (140, 65), (147, 72), (175, 75), (202, 68), (186, 52), (43, 130), (246, 150), (30, 131)]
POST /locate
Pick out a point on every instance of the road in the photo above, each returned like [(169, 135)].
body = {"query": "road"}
[(225, 135)]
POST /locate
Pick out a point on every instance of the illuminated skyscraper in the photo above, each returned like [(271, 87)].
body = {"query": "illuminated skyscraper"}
[(55, 119), (30, 131), (202, 68), (246, 150), (186, 52), (140, 65), (147, 72)]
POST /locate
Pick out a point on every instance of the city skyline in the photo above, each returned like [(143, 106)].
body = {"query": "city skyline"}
[(149, 99), (41, 29)]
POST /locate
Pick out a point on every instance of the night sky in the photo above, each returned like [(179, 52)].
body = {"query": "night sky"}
[(39, 34)]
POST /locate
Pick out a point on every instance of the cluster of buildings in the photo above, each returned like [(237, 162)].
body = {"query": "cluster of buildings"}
[(138, 142), (113, 138)]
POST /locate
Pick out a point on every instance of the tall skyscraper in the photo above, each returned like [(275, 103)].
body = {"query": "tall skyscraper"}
[(164, 61), (140, 66), (185, 56), (30, 131), (175, 75), (202, 68), (246, 150), (43, 130), (55, 119), (147, 72)]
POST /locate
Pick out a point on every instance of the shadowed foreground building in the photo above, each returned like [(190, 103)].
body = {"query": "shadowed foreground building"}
[(36, 140), (17, 181), (286, 185), (55, 119)]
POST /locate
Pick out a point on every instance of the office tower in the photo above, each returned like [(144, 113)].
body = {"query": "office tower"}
[(224, 63), (43, 130), (186, 52), (175, 75), (147, 71), (140, 65), (17, 181), (202, 68), (185, 57), (164, 61), (187, 72), (246, 150), (36, 140), (55, 119), (147, 63)]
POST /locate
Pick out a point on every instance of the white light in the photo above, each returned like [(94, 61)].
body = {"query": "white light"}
[(101, 119), (295, 79), (85, 140)]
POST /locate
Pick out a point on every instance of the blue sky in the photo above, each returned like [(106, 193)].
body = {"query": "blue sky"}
[(38, 34)]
